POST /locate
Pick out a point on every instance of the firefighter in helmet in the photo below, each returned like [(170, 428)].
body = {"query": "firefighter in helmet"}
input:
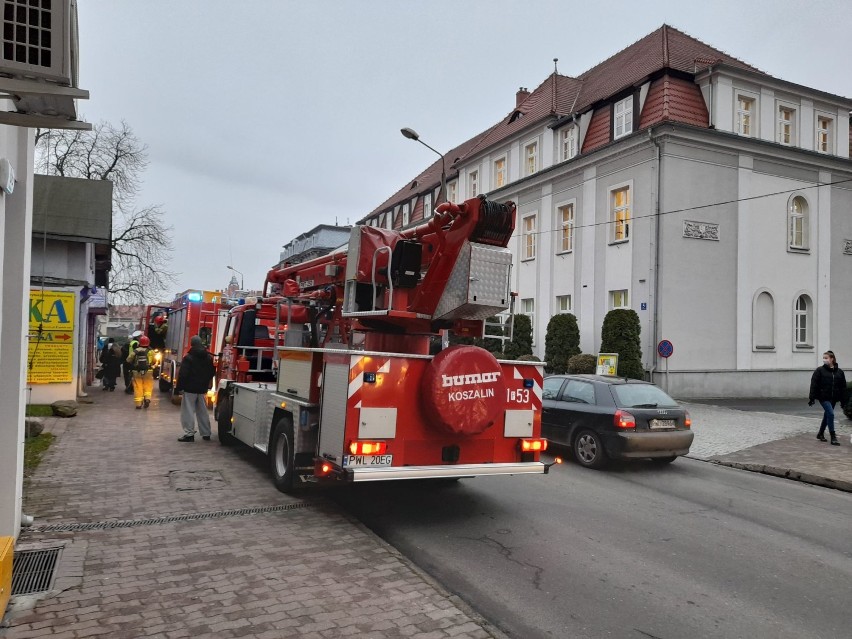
[(159, 329), (141, 362)]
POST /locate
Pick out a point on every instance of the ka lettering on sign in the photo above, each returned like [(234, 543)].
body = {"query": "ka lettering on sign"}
[(51, 337)]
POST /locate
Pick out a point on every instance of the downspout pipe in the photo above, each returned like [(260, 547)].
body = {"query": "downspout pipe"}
[(656, 256)]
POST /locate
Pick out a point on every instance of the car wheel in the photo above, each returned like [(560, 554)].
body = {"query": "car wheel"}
[(281, 457), (663, 460), (223, 421), (588, 449)]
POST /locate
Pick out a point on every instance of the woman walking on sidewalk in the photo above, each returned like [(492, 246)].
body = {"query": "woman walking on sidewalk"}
[(828, 385)]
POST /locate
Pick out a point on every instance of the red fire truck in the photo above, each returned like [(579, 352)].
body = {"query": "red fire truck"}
[(192, 312), (331, 376)]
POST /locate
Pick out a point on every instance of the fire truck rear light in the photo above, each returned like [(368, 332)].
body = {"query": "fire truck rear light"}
[(283, 404), (528, 383), (369, 378), (623, 419), (368, 448), (533, 445)]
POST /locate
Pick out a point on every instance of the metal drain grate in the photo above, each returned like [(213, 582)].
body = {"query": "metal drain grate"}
[(33, 570), (153, 521)]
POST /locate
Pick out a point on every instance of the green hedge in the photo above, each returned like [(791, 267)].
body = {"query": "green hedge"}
[(582, 364), (621, 333), (561, 343)]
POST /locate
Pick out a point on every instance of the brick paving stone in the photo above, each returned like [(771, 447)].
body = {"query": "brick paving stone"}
[(215, 577)]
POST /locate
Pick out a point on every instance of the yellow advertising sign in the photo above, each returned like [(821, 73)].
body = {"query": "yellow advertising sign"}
[(607, 364), (51, 329)]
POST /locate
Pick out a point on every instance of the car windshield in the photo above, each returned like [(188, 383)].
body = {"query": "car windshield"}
[(641, 396)]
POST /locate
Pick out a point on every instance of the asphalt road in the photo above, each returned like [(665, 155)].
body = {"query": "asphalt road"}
[(689, 550)]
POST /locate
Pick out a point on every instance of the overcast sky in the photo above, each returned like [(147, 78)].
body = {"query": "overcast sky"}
[(264, 118)]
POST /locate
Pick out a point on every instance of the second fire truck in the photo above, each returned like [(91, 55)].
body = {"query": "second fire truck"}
[(331, 374), (192, 312)]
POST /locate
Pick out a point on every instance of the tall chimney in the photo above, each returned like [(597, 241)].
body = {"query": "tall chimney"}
[(522, 94)]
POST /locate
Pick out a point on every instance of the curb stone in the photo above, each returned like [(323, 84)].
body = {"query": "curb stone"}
[(788, 473)]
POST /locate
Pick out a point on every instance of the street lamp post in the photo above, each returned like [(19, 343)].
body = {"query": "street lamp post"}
[(411, 134), (242, 282)]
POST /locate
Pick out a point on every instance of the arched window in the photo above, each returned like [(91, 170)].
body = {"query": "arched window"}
[(797, 223), (763, 322), (803, 320)]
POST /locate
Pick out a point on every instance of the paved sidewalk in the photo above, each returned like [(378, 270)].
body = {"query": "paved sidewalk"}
[(777, 444), (167, 539)]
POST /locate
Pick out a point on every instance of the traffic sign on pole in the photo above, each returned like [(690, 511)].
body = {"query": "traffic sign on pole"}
[(665, 348)]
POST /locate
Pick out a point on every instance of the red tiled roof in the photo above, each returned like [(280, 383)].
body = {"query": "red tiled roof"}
[(598, 133), (664, 48), (673, 99), (559, 95)]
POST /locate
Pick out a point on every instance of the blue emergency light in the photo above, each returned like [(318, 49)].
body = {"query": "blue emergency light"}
[(194, 297)]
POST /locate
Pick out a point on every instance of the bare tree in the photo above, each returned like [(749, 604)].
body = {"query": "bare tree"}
[(141, 240)]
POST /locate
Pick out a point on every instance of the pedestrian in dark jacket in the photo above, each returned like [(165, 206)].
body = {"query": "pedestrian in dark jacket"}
[(111, 361), (195, 374), (828, 386)]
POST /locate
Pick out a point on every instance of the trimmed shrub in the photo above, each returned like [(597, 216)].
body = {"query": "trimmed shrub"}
[(620, 333), (582, 364), (528, 358), (521, 343), (561, 342)]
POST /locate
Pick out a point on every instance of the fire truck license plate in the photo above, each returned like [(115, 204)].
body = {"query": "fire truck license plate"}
[(367, 460)]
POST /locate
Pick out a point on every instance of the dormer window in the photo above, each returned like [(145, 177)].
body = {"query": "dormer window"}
[(568, 145), (745, 115), (531, 158), (517, 115), (824, 133), (786, 124), (623, 112)]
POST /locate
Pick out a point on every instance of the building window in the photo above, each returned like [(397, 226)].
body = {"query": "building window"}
[(528, 309), (620, 214), (531, 158), (389, 220), (529, 238), (427, 205), (563, 303), (473, 183), (452, 191), (802, 322), (565, 221), (569, 142), (798, 223), (763, 322), (623, 117), (618, 299), (499, 172), (824, 134), (786, 124), (406, 215), (745, 116)]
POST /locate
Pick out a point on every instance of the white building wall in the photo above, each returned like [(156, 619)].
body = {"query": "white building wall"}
[(16, 144)]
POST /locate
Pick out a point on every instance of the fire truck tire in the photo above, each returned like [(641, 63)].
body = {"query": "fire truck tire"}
[(224, 412), (282, 460)]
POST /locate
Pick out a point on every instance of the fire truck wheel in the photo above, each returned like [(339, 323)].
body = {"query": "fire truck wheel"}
[(281, 457), (223, 420)]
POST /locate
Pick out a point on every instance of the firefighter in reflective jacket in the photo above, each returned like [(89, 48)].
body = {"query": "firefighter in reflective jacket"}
[(141, 361)]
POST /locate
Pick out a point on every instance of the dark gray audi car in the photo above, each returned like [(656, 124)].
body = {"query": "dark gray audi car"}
[(600, 418)]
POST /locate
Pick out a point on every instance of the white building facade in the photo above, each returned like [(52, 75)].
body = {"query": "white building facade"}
[(709, 197)]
